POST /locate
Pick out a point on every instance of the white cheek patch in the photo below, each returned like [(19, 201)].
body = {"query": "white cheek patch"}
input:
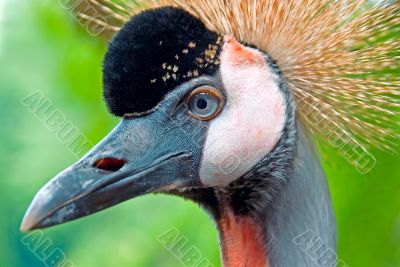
[(252, 120)]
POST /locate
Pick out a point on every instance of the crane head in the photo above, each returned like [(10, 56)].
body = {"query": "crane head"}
[(198, 110)]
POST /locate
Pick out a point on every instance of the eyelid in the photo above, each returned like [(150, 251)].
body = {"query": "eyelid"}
[(212, 91)]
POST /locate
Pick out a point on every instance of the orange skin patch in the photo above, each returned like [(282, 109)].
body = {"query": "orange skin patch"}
[(241, 242), (241, 55)]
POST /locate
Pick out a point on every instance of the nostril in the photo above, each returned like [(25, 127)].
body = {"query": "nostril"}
[(109, 164)]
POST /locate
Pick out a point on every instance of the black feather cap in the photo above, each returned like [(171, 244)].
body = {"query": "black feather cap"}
[(153, 53)]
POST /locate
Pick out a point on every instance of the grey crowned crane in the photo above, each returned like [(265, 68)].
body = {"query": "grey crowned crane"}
[(220, 102)]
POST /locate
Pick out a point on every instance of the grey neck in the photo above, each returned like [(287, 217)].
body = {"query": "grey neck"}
[(299, 223)]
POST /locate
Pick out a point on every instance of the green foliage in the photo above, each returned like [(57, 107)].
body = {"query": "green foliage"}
[(43, 49)]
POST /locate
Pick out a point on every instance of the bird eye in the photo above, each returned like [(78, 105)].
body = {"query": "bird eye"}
[(205, 103)]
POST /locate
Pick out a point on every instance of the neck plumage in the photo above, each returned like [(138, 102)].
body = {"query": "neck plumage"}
[(295, 228)]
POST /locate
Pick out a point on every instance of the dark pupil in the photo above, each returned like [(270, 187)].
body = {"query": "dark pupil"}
[(201, 104)]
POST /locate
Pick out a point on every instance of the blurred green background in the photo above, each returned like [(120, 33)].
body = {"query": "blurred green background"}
[(43, 49)]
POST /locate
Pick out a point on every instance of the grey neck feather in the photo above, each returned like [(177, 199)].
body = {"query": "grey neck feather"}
[(300, 225), (297, 214)]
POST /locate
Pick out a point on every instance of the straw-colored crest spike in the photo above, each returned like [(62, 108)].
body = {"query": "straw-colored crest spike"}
[(106, 17), (341, 59)]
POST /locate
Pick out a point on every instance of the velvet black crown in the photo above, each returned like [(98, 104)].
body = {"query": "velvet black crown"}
[(154, 52)]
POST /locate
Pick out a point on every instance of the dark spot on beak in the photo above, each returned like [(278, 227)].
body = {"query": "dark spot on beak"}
[(109, 164)]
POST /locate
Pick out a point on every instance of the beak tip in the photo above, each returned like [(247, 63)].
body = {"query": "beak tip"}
[(28, 223), (31, 220), (26, 226), (24, 229)]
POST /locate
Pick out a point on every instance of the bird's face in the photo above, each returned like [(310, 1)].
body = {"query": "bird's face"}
[(198, 110)]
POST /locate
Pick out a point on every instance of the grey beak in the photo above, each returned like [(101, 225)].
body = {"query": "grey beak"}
[(136, 158)]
